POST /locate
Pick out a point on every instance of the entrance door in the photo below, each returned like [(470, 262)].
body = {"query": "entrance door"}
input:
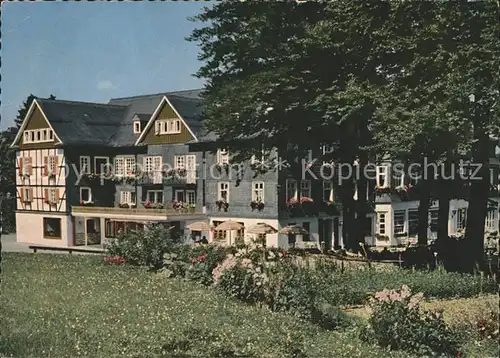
[(93, 231), (327, 233)]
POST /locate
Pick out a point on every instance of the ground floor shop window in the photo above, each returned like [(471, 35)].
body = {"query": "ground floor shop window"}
[(51, 228)]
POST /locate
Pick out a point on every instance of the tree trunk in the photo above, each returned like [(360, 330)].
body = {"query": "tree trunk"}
[(423, 208), (361, 205), (478, 201)]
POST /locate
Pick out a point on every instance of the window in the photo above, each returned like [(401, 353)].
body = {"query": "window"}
[(152, 163), (491, 219), (191, 197), (26, 169), (180, 195), (127, 197), (307, 226), (50, 165), (327, 190), (85, 164), (382, 176), (219, 235), (222, 156), (100, 164), (305, 188), (168, 126), (130, 165), (291, 189), (434, 214), (412, 222), (223, 192), (399, 178), (119, 166), (381, 223), (155, 196), (53, 196), (179, 161), (258, 191), (51, 228), (191, 169), (27, 195), (38, 135), (110, 228), (137, 127), (399, 221), (461, 218), (85, 195)]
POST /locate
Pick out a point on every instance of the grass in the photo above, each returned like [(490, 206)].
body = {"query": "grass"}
[(67, 306), (62, 306)]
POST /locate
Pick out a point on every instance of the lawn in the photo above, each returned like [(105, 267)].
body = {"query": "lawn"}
[(60, 306)]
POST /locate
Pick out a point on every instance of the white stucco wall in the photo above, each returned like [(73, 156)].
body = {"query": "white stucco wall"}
[(30, 229)]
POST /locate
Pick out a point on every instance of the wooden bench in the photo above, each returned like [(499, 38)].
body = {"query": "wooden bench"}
[(69, 250)]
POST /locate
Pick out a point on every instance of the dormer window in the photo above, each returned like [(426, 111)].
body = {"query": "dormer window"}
[(137, 127), (168, 126), (38, 135)]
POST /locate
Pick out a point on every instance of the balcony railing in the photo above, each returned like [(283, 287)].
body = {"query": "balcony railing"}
[(135, 211), (188, 178)]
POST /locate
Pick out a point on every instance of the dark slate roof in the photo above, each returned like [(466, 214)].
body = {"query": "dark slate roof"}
[(83, 122), (187, 103), (110, 123)]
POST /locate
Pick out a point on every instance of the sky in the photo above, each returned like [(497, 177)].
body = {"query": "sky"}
[(94, 51)]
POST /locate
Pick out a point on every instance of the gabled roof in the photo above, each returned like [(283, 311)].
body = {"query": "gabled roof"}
[(110, 124), (83, 122)]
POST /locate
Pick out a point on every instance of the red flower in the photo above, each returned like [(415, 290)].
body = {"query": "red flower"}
[(283, 252), (459, 354)]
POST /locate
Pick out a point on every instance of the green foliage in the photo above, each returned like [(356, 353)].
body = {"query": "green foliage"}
[(143, 247), (396, 322), (97, 310)]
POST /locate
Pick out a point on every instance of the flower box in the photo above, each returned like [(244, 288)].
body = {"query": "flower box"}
[(222, 205), (257, 205)]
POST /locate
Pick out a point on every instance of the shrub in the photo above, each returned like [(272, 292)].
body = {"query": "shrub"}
[(397, 323), (143, 247), (202, 261)]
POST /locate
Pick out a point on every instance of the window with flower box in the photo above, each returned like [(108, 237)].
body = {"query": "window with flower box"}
[(305, 188), (127, 197), (291, 189), (85, 195), (223, 191), (155, 196), (258, 191)]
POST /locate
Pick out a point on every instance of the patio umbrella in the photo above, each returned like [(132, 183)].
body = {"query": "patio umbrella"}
[(292, 230), (199, 226), (230, 225), (262, 229)]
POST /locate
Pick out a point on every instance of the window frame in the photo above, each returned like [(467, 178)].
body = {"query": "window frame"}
[(291, 184), (179, 162), (88, 160), (188, 201), (95, 164), (155, 196), (47, 236), (89, 196), (222, 156), (170, 126), (42, 135), (258, 193), (220, 190), (130, 201), (137, 127), (412, 230), (308, 188), (461, 213), (382, 223), (382, 170), (27, 194), (394, 225)]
